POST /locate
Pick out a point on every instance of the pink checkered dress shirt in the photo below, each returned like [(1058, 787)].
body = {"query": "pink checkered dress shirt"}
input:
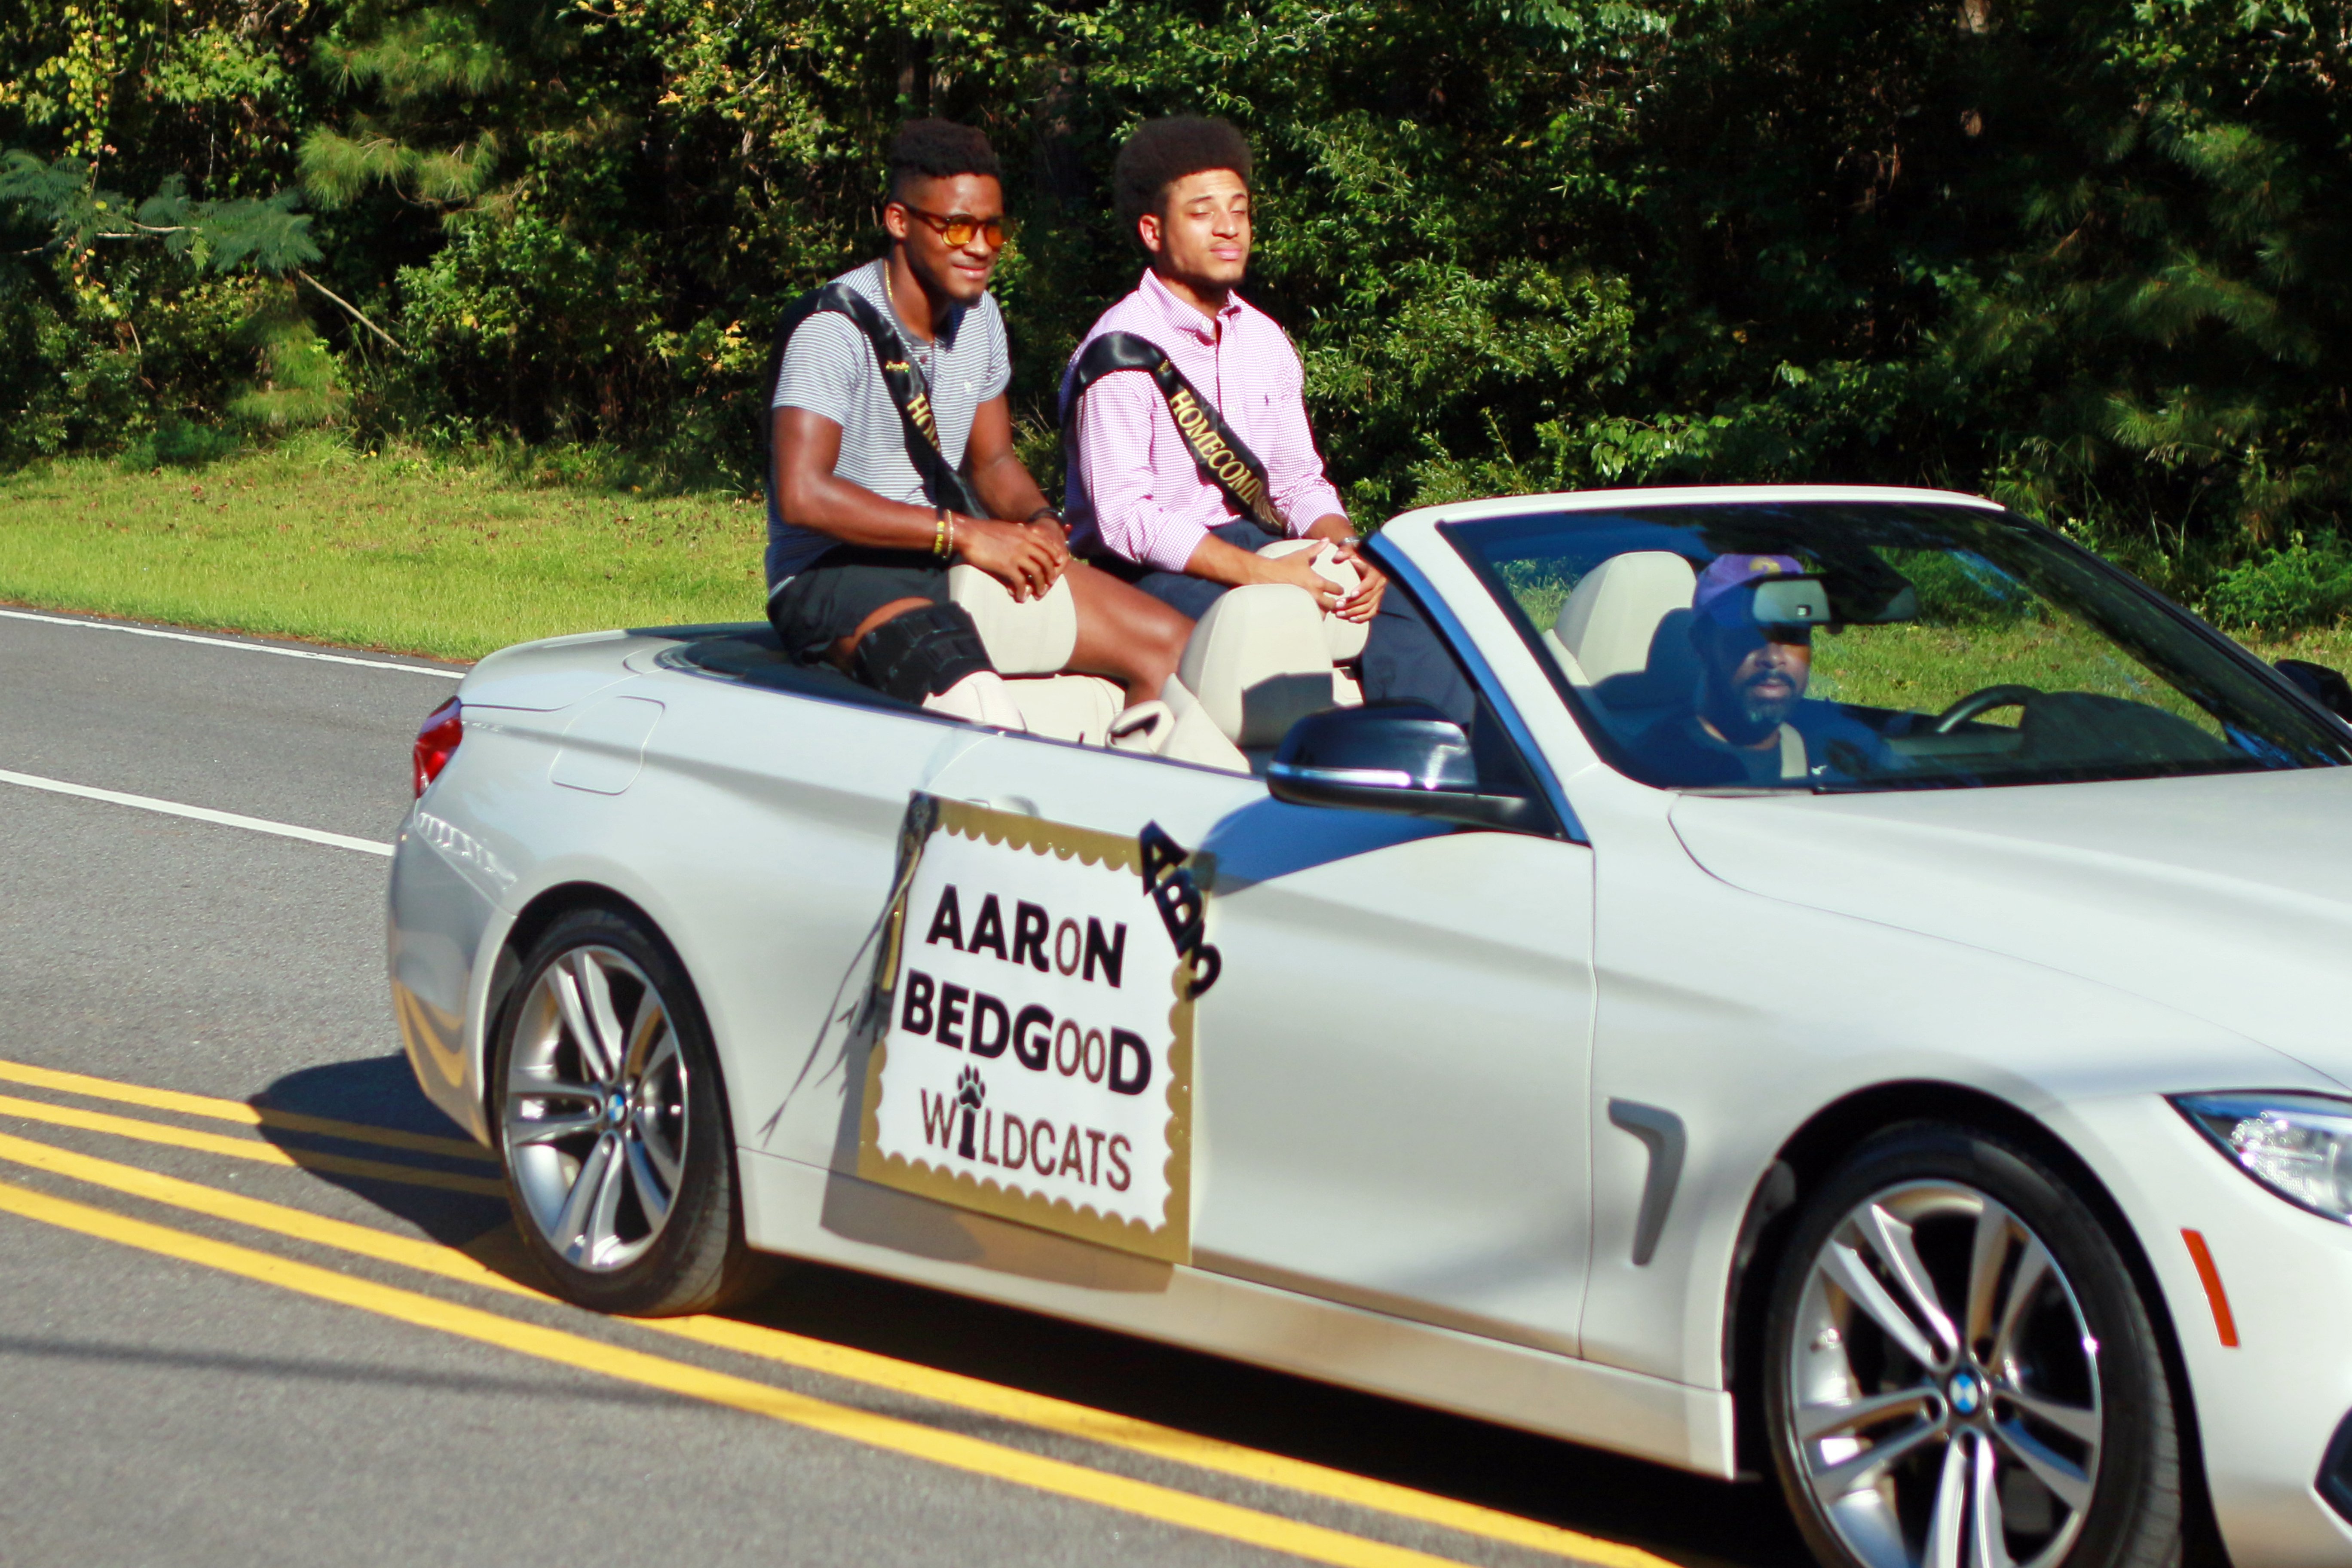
[(1133, 487)]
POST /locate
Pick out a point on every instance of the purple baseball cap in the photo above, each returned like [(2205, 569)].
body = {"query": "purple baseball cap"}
[(1714, 597)]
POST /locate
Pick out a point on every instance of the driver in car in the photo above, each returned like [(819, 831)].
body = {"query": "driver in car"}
[(1753, 723)]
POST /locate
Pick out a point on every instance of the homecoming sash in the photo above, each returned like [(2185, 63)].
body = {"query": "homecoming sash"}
[(1223, 457), (900, 375)]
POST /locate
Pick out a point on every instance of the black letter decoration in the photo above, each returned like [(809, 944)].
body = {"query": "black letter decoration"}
[(1181, 907), (1124, 1043)]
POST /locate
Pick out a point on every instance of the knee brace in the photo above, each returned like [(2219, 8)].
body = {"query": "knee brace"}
[(921, 653)]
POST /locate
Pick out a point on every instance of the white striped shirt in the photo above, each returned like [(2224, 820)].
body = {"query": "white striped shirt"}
[(830, 369)]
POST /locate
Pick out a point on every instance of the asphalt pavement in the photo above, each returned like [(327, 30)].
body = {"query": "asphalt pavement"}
[(256, 1307)]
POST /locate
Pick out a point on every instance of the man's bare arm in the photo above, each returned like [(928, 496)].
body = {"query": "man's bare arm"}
[(994, 467), (1218, 562), (809, 493)]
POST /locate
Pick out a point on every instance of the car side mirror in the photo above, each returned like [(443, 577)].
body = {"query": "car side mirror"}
[(1406, 757), (2322, 685)]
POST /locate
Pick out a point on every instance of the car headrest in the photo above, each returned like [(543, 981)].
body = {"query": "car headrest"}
[(1344, 638), (1610, 621), (1032, 638), (1258, 662), (1667, 678)]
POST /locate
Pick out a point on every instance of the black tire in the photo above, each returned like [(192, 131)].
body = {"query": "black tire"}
[(2013, 1403), (669, 1139)]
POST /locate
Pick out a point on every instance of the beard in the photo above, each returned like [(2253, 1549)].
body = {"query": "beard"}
[(1747, 713)]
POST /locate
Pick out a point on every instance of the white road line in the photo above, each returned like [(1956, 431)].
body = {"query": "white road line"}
[(229, 642), (199, 813)]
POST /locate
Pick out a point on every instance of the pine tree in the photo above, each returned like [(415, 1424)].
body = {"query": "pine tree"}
[(265, 238)]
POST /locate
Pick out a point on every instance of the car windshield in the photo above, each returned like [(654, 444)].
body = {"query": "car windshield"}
[(1872, 646)]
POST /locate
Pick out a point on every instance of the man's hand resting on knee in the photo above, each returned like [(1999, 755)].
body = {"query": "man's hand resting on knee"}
[(1027, 558)]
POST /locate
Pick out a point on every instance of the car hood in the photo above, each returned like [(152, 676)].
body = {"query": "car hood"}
[(2228, 898)]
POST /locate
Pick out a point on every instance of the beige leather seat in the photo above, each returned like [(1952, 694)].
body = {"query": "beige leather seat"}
[(1034, 636), (1623, 635), (1030, 643), (1259, 662), (1178, 729), (1345, 639), (1081, 707)]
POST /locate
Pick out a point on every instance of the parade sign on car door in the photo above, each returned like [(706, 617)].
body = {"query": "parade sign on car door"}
[(1036, 1060)]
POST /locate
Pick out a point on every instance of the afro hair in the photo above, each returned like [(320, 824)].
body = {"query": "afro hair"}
[(1162, 152), (939, 149)]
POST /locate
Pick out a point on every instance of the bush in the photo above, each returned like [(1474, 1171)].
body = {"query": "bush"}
[(175, 443), (2285, 590), (2073, 253)]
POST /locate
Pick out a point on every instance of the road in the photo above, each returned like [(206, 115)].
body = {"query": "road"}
[(259, 1308)]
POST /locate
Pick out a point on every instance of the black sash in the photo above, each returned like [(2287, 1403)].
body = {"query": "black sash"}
[(900, 375), (1223, 459)]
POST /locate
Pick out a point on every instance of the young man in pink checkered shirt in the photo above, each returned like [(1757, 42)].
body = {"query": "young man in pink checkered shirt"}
[(1138, 502)]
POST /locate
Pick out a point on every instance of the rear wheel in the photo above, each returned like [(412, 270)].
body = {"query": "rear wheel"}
[(613, 1124), (1960, 1373)]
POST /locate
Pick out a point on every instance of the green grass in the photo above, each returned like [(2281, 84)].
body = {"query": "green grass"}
[(410, 553), (1929, 668), (2330, 646), (399, 551)]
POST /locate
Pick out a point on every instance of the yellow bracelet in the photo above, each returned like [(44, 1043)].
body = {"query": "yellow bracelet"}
[(941, 530)]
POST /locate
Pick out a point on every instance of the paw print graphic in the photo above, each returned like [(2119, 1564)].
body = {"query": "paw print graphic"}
[(969, 1092)]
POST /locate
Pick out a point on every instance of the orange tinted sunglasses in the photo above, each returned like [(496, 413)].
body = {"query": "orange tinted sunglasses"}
[(957, 229)]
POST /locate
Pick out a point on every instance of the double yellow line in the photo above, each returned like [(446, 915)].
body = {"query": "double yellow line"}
[(207, 1107), (913, 1438)]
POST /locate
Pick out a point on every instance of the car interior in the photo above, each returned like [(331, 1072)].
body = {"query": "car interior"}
[(1621, 640), (1261, 658)]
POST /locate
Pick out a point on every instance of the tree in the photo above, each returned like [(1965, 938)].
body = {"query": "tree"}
[(2072, 252)]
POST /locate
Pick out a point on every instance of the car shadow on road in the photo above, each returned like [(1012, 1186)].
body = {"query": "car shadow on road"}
[(1686, 1519), (1683, 1517), (452, 1199)]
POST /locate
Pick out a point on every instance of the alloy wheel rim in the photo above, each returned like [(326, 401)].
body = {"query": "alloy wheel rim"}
[(595, 1120), (1945, 1400)]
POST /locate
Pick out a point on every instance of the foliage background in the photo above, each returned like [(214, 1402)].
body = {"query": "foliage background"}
[(2082, 255)]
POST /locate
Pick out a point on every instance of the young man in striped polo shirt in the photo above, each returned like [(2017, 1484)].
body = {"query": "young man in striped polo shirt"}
[(1137, 500), (859, 540)]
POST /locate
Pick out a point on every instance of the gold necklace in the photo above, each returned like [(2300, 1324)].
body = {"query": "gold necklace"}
[(898, 320)]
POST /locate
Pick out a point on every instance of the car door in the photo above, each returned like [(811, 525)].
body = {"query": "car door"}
[(775, 821), (1389, 1076)]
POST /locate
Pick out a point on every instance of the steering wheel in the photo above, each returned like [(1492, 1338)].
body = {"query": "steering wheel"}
[(1982, 700)]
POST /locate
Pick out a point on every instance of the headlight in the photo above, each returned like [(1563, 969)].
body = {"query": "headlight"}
[(2297, 1145)]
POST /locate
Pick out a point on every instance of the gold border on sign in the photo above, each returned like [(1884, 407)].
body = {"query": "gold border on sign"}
[(1170, 1242)]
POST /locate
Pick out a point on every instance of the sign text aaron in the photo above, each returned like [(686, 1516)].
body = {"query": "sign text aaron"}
[(1036, 1061)]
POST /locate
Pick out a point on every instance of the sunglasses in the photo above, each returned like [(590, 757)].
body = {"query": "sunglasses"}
[(957, 229)]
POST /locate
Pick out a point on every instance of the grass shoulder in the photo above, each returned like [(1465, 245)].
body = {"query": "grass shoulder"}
[(399, 551), (408, 552)]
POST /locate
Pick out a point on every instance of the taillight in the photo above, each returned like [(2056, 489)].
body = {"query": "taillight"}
[(436, 743)]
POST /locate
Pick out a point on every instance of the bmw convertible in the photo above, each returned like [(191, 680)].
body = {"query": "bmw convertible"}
[(1853, 995)]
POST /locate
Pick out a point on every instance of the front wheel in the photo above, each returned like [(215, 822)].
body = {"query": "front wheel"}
[(613, 1126), (1961, 1373)]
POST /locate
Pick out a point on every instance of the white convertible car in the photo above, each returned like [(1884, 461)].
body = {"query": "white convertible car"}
[(1863, 997)]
